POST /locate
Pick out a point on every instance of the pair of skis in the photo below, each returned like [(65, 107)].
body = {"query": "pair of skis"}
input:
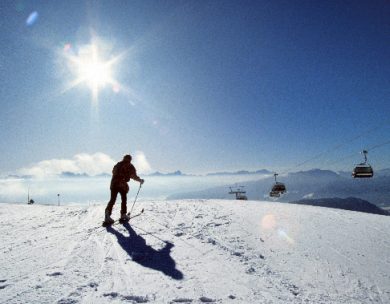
[(105, 224)]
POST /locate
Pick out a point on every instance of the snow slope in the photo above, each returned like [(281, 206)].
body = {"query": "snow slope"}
[(194, 251)]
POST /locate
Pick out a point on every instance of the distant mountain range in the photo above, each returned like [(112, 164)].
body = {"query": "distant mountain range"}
[(242, 172), (176, 173), (225, 173), (71, 174), (317, 173), (349, 203), (312, 184), (157, 173)]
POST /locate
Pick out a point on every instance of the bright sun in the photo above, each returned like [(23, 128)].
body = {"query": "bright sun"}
[(93, 71), (90, 69)]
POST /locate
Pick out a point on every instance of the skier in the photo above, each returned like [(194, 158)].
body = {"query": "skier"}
[(121, 174)]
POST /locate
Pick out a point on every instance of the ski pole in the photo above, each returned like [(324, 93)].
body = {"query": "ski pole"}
[(140, 185)]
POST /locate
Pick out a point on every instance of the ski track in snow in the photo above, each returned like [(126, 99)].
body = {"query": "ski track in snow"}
[(194, 251)]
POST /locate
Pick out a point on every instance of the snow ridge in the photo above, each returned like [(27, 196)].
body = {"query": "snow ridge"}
[(194, 251)]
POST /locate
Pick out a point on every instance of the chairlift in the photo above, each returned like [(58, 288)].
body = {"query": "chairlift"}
[(278, 188), (363, 170), (239, 192)]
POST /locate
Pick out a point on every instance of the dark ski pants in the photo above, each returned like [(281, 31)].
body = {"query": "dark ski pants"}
[(111, 203)]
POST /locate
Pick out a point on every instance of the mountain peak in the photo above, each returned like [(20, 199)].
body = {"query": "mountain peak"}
[(175, 173), (316, 173)]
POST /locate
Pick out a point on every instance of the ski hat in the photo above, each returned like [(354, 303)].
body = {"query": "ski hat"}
[(127, 157)]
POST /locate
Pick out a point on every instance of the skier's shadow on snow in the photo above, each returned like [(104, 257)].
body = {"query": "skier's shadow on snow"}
[(147, 256)]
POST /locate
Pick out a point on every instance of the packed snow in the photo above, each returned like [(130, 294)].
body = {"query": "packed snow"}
[(194, 251)]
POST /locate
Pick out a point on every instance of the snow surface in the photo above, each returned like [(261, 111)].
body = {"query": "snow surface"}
[(194, 251)]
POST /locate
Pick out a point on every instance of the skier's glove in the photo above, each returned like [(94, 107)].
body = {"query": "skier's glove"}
[(142, 181)]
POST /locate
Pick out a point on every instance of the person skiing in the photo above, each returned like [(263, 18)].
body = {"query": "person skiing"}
[(122, 172)]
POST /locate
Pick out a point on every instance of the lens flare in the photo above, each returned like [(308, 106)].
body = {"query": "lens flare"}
[(268, 222), (32, 18), (67, 47), (116, 88), (283, 235)]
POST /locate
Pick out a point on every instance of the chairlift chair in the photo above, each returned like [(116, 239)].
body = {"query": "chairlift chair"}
[(278, 188), (274, 194), (242, 197), (240, 193), (363, 170)]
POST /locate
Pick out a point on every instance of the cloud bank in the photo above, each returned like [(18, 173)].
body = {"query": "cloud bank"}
[(141, 163), (83, 163)]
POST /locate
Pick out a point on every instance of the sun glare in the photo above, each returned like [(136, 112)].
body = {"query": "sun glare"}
[(89, 68), (93, 71)]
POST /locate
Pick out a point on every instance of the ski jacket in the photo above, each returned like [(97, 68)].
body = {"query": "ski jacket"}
[(121, 174)]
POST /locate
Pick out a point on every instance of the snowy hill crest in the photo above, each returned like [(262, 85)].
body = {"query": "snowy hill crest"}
[(194, 251)]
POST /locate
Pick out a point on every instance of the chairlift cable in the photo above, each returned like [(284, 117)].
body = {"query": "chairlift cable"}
[(354, 154), (337, 147), (379, 145), (276, 192)]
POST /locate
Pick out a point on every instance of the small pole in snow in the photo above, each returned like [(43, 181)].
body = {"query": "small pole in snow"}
[(58, 195)]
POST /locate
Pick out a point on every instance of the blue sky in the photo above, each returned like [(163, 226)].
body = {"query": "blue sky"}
[(202, 85)]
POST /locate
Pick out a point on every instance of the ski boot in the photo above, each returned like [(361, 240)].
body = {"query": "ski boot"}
[(108, 220), (124, 218)]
